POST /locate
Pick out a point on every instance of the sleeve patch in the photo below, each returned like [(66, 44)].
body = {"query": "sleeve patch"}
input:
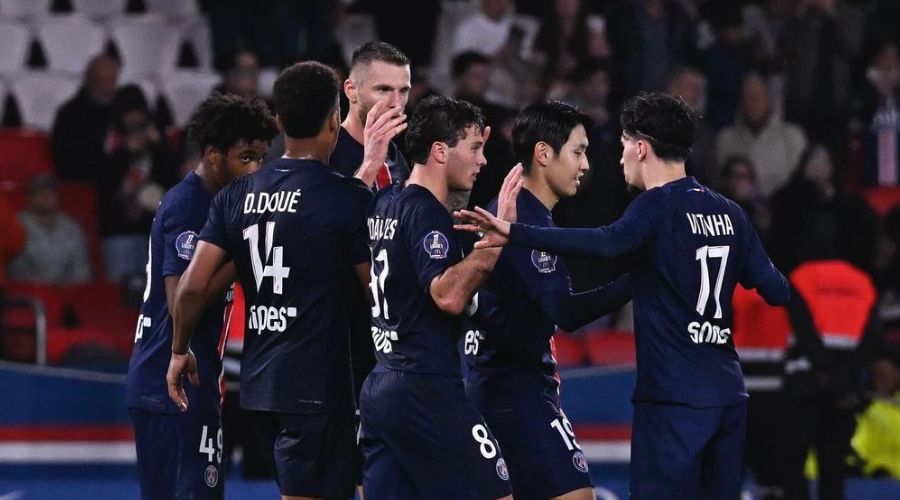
[(185, 244), (436, 244), (543, 261)]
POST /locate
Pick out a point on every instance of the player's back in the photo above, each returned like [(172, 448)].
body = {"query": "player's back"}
[(412, 242), (173, 238), (294, 229), (701, 247)]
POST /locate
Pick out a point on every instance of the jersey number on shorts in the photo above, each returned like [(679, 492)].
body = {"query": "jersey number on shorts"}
[(564, 427), (276, 270), (208, 448), (703, 254)]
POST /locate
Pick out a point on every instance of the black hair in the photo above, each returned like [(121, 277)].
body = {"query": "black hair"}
[(127, 98), (465, 60), (545, 121), (439, 119), (733, 161), (305, 94), (377, 50), (223, 120), (665, 121)]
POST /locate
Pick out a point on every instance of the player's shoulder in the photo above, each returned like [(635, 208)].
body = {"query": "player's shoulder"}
[(184, 196)]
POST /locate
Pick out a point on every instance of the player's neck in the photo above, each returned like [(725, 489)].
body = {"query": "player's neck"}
[(353, 126), (431, 179), (208, 178), (541, 191), (662, 174), (306, 149)]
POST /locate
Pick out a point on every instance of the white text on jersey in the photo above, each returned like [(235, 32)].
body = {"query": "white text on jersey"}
[(280, 201), (711, 225), (382, 229)]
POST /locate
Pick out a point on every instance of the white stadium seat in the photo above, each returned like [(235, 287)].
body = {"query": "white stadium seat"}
[(15, 40), (39, 94), (173, 8), (70, 42), (148, 45), (99, 8), (184, 90), (24, 8)]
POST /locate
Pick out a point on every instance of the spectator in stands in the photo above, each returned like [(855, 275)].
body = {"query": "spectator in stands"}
[(738, 183), (80, 127), (562, 38), (690, 85), (880, 116), (241, 75), (814, 217), (725, 63), (138, 173), (758, 133), (56, 251), (494, 33)]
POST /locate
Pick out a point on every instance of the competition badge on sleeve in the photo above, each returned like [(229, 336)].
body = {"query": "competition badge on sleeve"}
[(437, 245), (543, 261)]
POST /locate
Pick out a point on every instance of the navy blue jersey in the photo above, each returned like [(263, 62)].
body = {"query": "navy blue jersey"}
[(348, 156), (412, 241), (514, 365), (294, 229), (695, 246), (173, 238)]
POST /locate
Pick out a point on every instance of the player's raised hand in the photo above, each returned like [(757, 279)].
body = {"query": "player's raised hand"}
[(382, 125), (495, 229), (180, 364)]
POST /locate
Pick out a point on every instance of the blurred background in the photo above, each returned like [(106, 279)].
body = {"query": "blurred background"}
[(799, 100)]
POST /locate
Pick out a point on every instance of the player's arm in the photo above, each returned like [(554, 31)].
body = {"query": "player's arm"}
[(190, 299), (571, 310), (453, 289), (223, 278), (761, 274)]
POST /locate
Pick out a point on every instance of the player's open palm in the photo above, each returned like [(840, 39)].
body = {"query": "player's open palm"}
[(179, 365), (495, 229), (382, 125)]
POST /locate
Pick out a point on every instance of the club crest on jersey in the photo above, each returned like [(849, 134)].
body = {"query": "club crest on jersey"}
[(580, 462), (543, 261), (211, 475), (502, 471), (185, 244), (436, 245)]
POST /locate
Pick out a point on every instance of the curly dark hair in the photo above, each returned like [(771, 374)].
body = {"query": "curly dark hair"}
[(223, 120), (439, 119), (305, 94), (665, 121)]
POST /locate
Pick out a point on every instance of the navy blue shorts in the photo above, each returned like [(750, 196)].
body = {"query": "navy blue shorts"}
[(422, 438), (682, 452), (315, 454), (178, 456), (540, 449)]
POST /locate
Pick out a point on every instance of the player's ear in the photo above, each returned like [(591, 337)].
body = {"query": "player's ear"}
[(439, 151), (350, 91), (211, 155), (542, 153)]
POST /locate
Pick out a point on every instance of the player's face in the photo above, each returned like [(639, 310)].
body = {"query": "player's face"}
[(380, 81), (244, 159), (569, 165), (465, 160), (630, 161)]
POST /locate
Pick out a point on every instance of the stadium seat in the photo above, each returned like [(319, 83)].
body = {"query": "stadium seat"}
[(99, 8), (184, 90), (756, 323), (15, 40), (39, 95), (610, 347), (173, 8), (198, 35), (24, 8), (60, 341), (147, 44), (25, 155), (568, 350), (70, 42), (882, 199)]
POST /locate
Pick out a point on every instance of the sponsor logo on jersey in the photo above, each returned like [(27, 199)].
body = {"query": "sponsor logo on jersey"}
[(185, 244), (436, 244), (502, 471), (211, 475), (580, 462), (543, 261)]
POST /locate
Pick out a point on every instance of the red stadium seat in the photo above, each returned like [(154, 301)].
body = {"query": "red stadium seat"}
[(610, 347), (25, 154), (882, 199), (61, 340), (568, 350)]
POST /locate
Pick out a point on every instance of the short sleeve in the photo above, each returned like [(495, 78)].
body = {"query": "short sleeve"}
[(432, 244), (181, 225)]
